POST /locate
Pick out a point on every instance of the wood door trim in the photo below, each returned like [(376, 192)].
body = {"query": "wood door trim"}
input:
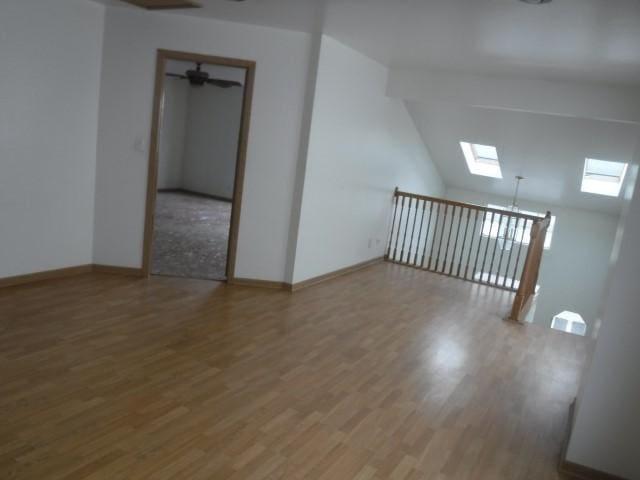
[(162, 57)]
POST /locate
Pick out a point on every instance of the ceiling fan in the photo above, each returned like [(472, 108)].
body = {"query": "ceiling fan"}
[(198, 77)]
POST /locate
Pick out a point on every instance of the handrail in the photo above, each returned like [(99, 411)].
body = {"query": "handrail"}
[(474, 206), (531, 269), (463, 240)]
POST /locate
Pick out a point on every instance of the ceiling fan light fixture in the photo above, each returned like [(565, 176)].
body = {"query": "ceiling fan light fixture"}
[(535, 2), (164, 4), (199, 77)]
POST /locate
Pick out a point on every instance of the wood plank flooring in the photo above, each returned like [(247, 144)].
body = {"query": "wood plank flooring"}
[(388, 373)]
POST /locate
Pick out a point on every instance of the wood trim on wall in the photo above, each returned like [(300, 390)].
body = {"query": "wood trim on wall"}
[(110, 269), (250, 282), (575, 470), (195, 194), (139, 272), (59, 273), (45, 275), (337, 273), (580, 472), (152, 176)]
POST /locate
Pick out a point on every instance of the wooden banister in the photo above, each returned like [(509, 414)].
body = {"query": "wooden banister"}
[(472, 206), (467, 241), (531, 270)]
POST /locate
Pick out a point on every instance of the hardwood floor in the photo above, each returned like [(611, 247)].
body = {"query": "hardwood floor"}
[(387, 373)]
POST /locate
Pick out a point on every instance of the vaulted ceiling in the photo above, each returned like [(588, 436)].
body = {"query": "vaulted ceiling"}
[(593, 44), (549, 151), (587, 40)]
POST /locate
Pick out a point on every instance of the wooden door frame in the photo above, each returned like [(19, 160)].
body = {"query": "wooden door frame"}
[(152, 178)]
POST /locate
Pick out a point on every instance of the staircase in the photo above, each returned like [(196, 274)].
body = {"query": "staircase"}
[(500, 248)]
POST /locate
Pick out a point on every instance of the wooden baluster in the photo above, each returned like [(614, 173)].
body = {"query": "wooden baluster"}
[(406, 229), (495, 248), (395, 248), (413, 231), (435, 235), (455, 243), (486, 250), (475, 264), (446, 252), (426, 235), (393, 221), (513, 247), (444, 227), (473, 236), (424, 208), (504, 244), (515, 270), (464, 242)]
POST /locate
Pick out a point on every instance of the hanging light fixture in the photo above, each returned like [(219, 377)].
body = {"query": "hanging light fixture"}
[(508, 231)]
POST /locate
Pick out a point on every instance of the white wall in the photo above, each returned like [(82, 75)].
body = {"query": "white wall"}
[(199, 138), (172, 133), (131, 40), (607, 426), (575, 269), (211, 144), (361, 146), (49, 88)]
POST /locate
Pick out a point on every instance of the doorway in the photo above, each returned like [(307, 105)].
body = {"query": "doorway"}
[(200, 124)]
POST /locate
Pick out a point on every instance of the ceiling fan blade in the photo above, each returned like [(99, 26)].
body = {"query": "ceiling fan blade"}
[(175, 75), (223, 83)]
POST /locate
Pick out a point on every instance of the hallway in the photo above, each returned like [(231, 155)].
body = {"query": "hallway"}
[(387, 373)]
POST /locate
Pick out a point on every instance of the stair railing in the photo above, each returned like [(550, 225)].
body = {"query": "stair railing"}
[(475, 243)]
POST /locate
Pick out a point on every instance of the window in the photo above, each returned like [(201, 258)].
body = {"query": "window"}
[(482, 159), (496, 226), (569, 322), (603, 177)]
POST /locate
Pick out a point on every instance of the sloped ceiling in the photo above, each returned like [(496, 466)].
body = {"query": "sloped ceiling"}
[(549, 151), (591, 42), (586, 40)]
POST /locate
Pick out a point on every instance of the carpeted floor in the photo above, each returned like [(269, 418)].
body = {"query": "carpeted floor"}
[(191, 236)]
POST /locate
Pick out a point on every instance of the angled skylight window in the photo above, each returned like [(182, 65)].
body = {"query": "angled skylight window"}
[(482, 159), (569, 322), (603, 177)]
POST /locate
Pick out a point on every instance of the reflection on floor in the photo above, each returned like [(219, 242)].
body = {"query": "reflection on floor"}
[(191, 236), (387, 373)]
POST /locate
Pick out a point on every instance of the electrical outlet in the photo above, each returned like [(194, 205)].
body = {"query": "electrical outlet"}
[(140, 145)]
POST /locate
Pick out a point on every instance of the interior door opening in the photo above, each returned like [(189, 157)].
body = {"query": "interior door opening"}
[(196, 165)]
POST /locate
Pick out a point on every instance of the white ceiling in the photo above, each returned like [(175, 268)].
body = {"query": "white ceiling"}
[(583, 41), (586, 40), (549, 151)]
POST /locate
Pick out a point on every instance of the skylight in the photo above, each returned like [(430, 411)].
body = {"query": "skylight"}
[(482, 159), (569, 322), (603, 177)]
